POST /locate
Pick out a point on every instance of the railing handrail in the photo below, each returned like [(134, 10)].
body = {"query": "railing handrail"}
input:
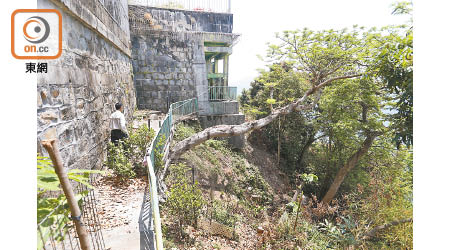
[(220, 93), (187, 107), (218, 6)]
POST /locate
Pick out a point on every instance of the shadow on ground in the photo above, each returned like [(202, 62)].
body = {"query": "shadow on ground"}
[(147, 238)]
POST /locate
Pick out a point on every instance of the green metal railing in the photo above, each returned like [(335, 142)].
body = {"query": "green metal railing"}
[(185, 107), (159, 147), (221, 93), (176, 110)]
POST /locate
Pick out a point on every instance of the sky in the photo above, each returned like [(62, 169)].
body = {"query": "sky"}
[(257, 22)]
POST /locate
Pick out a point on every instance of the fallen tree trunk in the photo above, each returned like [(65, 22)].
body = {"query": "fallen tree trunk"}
[(232, 130), (375, 230)]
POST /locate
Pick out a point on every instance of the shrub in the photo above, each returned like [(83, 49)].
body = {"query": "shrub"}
[(183, 131), (221, 214), (137, 143), (126, 159), (159, 153), (185, 199), (216, 144), (118, 161)]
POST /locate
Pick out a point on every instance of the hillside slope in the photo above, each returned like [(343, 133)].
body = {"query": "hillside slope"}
[(242, 190)]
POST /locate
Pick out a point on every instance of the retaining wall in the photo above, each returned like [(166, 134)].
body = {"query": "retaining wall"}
[(77, 95), (207, 121)]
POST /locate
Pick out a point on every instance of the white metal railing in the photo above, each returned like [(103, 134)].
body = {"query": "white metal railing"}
[(221, 6), (222, 93)]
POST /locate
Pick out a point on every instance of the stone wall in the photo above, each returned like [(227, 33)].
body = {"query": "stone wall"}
[(168, 53), (77, 95), (163, 67), (183, 20)]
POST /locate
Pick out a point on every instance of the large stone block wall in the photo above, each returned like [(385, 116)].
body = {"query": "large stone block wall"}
[(168, 55), (77, 95), (164, 68)]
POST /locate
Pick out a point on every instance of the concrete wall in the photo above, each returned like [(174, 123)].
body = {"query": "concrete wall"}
[(219, 108), (168, 55), (77, 95), (207, 121)]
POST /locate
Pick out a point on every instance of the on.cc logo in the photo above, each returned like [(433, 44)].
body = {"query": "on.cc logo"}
[(36, 29), (36, 34)]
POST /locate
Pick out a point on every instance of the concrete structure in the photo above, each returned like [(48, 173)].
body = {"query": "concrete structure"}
[(180, 54), (230, 119), (171, 53)]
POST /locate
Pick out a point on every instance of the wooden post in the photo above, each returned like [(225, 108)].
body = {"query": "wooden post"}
[(279, 142), (193, 175), (299, 205), (53, 152)]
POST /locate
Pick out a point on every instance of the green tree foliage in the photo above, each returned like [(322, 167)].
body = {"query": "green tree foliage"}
[(386, 197), (285, 84), (347, 111), (401, 8), (319, 55), (301, 59), (47, 180), (393, 63), (244, 98), (378, 187)]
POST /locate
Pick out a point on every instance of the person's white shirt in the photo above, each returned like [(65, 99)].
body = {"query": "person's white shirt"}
[(117, 121)]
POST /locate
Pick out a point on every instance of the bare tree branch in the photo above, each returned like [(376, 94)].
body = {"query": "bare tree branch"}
[(337, 78)]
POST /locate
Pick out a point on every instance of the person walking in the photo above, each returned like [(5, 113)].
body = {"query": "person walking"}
[(118, 124)]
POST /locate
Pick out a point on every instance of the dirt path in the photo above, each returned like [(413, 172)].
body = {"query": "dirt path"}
[(121, 211)]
